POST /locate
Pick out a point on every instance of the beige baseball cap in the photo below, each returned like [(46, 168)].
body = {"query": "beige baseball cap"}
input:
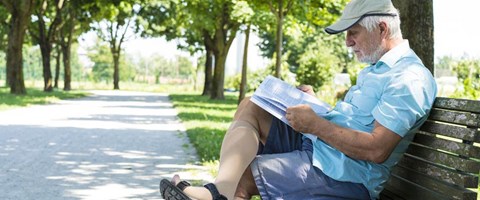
[(355, 10)]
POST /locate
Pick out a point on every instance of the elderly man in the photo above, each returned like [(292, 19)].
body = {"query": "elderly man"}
[(349, 152)]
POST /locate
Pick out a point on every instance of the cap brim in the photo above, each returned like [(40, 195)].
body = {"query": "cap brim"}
[(341, 25)]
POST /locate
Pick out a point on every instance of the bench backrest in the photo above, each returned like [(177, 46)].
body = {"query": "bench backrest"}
[(443, 161)]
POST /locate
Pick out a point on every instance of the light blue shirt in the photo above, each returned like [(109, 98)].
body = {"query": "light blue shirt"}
[(398, 92)]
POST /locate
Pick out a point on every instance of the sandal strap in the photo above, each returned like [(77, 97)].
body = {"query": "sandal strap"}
[(183, 184), (215, 194)]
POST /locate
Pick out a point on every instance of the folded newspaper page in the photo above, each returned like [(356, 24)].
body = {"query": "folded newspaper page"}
[(275, 96)]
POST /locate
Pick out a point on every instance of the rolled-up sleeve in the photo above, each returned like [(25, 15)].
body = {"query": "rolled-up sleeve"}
[(405, 100)]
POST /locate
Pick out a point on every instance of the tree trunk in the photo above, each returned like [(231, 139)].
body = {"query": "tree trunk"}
[(221, 48), (208, 72), (116, 40), (219, 74), (14, 54), (47, 72), (20, 11), (417, 27), (45, 39), (116, 68), (67, 72), (57, 66), (279, 40), (66, 44), (65, 41), (225, 32), (243, 82)]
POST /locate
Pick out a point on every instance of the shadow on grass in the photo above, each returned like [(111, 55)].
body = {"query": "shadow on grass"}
[(35, 96)]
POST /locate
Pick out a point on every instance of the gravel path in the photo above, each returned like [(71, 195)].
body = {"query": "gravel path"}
[(111, 145)]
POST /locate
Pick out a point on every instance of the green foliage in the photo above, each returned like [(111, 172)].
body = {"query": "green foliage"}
[(3, 65), (4, 28), (127, 71), (184, 67), (206, 121), (353, 69), (155, 66), (302, 27), (468, 72), (233, 82), (317, 64), (103, 66)]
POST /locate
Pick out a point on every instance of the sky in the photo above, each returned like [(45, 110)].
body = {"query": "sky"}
[(456, 28), (456, 32)]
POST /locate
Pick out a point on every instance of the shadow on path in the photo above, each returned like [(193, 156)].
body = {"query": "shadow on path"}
[(113, 145)]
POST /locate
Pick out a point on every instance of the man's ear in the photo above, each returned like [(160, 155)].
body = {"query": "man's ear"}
[(383, 29)]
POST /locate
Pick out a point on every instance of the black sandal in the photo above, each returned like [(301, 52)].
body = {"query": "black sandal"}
[(213, 190), (172, 192), (175, 192)]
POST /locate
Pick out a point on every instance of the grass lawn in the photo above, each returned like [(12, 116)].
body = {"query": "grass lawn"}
[(34, 96), (206, 121)]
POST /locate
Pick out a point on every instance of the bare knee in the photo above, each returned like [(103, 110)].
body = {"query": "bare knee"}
[(243, 108), (260, 119)]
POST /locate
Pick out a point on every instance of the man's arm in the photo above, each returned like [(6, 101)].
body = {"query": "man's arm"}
[(375, 147)]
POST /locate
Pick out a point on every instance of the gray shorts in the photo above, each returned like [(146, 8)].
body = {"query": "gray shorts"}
[(283, 170)]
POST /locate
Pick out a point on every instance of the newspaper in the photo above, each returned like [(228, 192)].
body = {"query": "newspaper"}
[(275, 96)]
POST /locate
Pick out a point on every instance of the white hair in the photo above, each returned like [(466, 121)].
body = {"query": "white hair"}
[(393, 22)]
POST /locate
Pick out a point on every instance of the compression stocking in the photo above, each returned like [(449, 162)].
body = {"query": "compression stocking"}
[(239, 148)]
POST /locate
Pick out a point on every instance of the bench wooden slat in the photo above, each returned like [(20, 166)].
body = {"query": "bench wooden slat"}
[(443, 158), (448, 145), (438, 172), (461, 118), (414, 185), (464, 133), (457, 104), (399, 188)]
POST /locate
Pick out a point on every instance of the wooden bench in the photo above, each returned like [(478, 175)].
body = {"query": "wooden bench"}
[(443, 161)]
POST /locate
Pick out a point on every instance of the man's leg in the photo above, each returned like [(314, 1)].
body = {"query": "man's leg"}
[(246, 187), (250, 126), (281, 139)]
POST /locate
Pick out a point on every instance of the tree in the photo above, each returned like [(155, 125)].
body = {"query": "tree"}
[(48, 21), (200, 25), (417, 27), (226, 22), (114, 25), (20, 11), (76, 19), (100, 56), (243, 82), (318, 63), (305, 20), (280, 11), (4, 27), (57, 56)]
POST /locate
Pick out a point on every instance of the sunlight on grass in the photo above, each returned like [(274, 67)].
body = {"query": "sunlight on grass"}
[(34, 96), (206, 121)]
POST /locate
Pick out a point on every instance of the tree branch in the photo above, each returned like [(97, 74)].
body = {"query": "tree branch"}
[(8, 5), (270, 5), (289, 6)]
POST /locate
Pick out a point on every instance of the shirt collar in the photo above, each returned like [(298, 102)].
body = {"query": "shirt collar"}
[(392, 56)]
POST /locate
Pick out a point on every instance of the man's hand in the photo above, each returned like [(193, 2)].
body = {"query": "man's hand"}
[(307, 89), (301, 118)]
